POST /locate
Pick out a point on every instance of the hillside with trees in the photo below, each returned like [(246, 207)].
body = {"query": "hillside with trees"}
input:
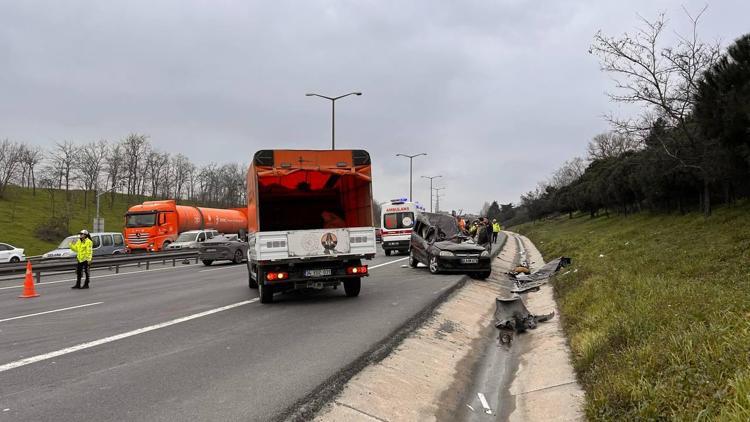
[(687, 149)]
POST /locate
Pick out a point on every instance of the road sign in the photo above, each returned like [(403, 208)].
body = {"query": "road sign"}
[(98, 225)]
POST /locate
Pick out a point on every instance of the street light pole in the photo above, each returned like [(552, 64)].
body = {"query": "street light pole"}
[(333, 112), (411, 158), (97, 205), (431, 177)]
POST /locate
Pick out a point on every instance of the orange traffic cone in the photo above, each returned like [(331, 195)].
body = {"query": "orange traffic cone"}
[(28, 284)]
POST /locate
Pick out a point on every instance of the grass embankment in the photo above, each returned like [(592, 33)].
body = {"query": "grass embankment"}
[(21, 212), (659, 326)]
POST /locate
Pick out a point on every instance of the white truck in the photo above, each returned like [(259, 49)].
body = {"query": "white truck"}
[(310, 222)]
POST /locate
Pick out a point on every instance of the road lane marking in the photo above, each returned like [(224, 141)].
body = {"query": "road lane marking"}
[(92, 278), (388, 263), (486, 406), (223, 268), (50, 312), (83, 346)]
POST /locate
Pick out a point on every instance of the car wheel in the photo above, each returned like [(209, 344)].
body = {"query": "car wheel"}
[(15, 260), (413, 261), (237, 257), (434, 268), (251, 282), (208, 262), (352, 286)]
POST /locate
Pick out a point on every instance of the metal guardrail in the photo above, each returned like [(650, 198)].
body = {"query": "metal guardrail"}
[(68, 264)]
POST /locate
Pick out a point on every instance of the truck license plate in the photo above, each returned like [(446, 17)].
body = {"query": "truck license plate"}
[(318, 273), (469, 260)]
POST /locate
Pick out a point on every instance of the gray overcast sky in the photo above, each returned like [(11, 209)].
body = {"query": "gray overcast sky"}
[(499, 93)]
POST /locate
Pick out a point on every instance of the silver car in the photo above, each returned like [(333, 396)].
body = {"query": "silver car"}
[(191, 239), (104, 243)]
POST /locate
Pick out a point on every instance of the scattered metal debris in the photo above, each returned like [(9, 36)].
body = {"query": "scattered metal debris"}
[(524, 283), (511, 316)]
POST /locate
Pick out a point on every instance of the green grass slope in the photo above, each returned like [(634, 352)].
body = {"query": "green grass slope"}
[(21, 212), (659, 326)]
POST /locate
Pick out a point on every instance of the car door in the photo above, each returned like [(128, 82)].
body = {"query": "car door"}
[(107, 244), (4, 252)]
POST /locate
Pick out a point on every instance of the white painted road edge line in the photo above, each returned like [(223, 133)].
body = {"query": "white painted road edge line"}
[(486, 406), (226, 267), (387, 263), (50, 312), (82, 346), (94, 277)]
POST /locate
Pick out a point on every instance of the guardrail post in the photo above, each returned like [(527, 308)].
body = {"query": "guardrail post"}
[(117, 269), (196, 259), (139, 264), (174, 262), (147, 264), (164, 261), (38, 277)]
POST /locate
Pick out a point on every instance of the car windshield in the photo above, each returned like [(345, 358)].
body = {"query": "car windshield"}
[(398, 220), (140, 220), (65, 244), (187, 237), (446, 226)]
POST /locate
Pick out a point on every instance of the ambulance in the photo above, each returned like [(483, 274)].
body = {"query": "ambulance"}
[(397, 221)]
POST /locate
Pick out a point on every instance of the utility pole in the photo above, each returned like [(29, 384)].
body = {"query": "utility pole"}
[(431, 177), (411, 159), (437, 198), (98, 223)]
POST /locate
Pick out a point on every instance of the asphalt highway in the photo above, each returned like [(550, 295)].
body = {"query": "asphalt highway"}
[(190, 342)]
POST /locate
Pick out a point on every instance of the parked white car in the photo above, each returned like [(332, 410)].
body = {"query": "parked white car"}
[(191, 239), (10, 253)]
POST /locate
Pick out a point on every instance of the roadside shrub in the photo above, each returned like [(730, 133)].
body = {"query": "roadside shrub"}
[(52, 230)]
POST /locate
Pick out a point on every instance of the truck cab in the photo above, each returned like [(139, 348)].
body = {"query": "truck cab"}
[(310, 222), (397, 221)]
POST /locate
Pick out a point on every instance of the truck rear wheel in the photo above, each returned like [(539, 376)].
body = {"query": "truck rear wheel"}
[(253, 283), (265, 291), (352, 286)]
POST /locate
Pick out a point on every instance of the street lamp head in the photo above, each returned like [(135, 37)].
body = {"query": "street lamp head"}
[(357, 93), (309, 95)]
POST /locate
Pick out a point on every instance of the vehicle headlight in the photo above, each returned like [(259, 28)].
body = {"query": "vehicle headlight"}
[(485, 254), (446, 253)]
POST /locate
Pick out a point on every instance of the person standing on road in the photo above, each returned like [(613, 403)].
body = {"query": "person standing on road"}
[(496, 227), (484, 237), (83, 247)]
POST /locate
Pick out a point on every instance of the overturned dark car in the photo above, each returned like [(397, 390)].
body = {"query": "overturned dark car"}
[(222, 248), (438, 243)]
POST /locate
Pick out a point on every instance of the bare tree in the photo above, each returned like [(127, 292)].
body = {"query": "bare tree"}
[(182, 168), (134, 149), (11, 155), (664, 81), (63, 161), (90, 164), (32, 156), (113, 165), (612, 145), (155, 168), (568, 173)]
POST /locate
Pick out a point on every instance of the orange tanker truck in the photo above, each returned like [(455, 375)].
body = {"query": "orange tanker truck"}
[(310, 221), (153, 225)]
